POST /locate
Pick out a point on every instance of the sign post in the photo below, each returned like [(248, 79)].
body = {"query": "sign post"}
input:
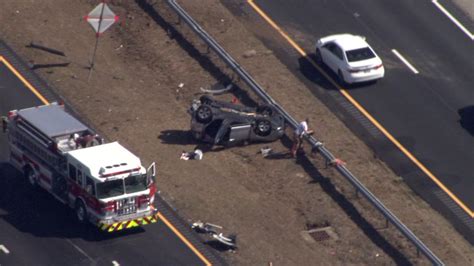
[(100, 18)]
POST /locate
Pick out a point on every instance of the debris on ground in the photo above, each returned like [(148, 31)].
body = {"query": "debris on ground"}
[(206, 228), (194, 155), (230, 242)]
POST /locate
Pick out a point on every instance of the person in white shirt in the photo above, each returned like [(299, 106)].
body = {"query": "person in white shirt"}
[(300, 131)]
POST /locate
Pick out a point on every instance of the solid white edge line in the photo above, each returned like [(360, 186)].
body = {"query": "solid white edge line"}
[(4, 249), (115, 263), (405, 61), (80, 250), (453, 19)]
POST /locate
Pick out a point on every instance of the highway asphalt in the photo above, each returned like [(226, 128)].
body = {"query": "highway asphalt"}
[(35, 229), (430, 113)]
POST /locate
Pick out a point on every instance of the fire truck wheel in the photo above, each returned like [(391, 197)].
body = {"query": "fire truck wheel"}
[(30, 174), (81, 213)]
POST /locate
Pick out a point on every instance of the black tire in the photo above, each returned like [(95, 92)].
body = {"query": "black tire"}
[(30, 176), (204, 114), (81, 212), (263, 127), (265, 110), (317, 57), (205, 99)]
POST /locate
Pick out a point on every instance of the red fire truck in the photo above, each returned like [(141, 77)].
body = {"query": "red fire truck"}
[(103, 182)]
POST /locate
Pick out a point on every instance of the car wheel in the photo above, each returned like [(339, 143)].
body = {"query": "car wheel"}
[(204, 114), (31, 176), (81, 213), (341, 77), (263, 128), (318, 57), (265, 110), (206, 100)]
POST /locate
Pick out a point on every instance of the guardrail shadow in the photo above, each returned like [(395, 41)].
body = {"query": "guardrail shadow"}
[(351, 211), (203, 58), (34, 211), (344, 203), (314, 75)]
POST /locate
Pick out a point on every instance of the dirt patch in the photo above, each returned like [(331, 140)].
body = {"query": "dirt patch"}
[(134, 97)]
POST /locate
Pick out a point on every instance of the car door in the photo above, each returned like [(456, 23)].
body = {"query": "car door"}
[(328, 55), (338, 56)]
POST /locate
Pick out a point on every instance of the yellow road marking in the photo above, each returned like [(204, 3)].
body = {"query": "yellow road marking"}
[(191, 246), (362, 110), (35, 92), (27, 84)]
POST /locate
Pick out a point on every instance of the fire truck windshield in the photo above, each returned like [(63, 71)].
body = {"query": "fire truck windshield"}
[(116, 187), (110, 189), (135, 183)]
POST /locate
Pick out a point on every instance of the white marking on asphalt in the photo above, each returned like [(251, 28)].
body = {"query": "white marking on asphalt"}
[(453, 19), (80, 250), (405, 61), (4, 249), (115, 263)]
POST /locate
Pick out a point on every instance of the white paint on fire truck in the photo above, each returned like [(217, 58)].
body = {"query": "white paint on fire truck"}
[(105, 160)]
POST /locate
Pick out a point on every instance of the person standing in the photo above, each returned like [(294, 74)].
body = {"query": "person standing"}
[(300, 131)]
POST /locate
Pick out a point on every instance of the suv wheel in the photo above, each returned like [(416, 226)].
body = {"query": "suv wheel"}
[(265, 110), (204, 114), (263, 127), (205, 99)]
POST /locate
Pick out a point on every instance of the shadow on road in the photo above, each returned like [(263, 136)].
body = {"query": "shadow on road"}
[(467, 118), (34, 211), (313, 74)]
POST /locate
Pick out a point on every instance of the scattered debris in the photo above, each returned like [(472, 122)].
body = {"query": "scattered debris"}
[(46, 49), (194, 155), (181, 85), (250, 53), (218, 88), (38, 66), (230, 241), (337, 162), (265, 151), (206, 228)]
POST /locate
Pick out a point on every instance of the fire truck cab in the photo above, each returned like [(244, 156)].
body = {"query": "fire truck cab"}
[(105, 184)]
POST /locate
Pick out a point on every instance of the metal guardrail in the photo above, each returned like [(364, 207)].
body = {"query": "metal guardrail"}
[(421, 247)]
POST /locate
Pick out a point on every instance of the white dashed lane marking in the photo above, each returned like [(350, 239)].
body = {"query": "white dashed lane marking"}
[(4, 249), (453, 19), (405, 61)]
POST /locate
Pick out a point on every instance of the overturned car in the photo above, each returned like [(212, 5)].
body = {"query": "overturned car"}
[(225, 123)]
